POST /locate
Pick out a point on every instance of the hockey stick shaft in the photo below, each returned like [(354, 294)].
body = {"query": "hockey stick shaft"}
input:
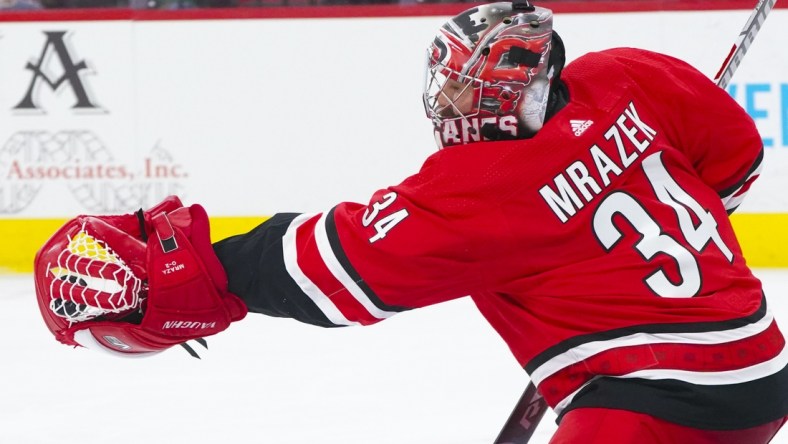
[(529, 410), (524, 418), (743, 42)]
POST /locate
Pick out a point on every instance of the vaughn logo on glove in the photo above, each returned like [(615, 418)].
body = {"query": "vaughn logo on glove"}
[(188, 324)]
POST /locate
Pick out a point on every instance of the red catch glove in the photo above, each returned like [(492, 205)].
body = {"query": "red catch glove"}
[(134, 284)]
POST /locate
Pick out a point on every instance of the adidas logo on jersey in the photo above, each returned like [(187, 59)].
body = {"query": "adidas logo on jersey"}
[(580, 126)]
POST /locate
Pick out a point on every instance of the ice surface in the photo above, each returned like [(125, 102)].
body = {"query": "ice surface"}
[(435, 375)]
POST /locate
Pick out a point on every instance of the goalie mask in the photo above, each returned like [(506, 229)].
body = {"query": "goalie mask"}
[(489, 72)]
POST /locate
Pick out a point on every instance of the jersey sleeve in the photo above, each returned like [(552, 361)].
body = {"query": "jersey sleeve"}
[(357, 264), (716, 134)]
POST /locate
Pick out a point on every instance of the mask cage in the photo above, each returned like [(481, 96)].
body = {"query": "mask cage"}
[(449, 94)]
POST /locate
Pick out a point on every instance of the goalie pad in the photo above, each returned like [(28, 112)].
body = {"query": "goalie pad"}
[(134, 284)]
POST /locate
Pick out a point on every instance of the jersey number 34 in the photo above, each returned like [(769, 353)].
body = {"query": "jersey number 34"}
[(697, 231), (382, 224)]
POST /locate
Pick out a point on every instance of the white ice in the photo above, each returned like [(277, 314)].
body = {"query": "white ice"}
[(435, 375)]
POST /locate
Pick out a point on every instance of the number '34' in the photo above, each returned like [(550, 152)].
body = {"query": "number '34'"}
[(382, 224)]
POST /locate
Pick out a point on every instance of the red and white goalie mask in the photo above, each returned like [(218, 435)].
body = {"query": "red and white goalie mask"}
[(488, 74)]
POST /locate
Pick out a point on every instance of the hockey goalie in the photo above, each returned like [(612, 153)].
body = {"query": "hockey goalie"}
[(583, 208)]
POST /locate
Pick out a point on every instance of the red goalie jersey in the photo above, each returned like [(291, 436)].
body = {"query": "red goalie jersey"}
[(600, 249)]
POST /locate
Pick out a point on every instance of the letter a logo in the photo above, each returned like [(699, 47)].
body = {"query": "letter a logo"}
[(56, 46)]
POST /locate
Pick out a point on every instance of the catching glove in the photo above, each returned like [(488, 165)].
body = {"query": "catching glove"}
[(134, 284)]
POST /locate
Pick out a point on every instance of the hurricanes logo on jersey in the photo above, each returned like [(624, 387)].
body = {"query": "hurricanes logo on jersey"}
[(580, 126)]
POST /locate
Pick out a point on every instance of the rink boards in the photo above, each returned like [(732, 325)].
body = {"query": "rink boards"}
[(250, 116)]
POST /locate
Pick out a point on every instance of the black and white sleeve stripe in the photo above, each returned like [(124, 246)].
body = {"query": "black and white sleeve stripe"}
[(733, 196)]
